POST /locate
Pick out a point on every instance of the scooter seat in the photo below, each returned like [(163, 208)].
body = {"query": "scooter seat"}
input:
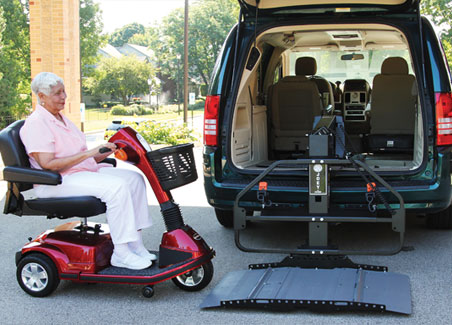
[(67, 207), (21, 177)]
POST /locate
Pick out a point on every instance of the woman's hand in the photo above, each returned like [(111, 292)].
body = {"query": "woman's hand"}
[(99, 156)]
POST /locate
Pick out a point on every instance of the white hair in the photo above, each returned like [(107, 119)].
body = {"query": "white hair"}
[(43, 82)]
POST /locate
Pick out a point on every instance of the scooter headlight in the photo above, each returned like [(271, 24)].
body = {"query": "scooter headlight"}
[(121, 154), (143, 142)]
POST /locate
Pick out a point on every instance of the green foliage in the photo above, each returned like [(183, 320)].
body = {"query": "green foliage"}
[(14, 60), (209, 23), (91, 38), (141, 109), (2, 27), (134, 109), (440, 11), (122, 35), (119, 110), (121, 77), (203, 90), (150, 36), (159, 133)]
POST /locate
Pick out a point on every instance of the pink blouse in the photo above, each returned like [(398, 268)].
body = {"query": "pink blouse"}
[(42, 132)]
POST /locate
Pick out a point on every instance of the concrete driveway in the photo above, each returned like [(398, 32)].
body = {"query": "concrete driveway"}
[(429, 266)]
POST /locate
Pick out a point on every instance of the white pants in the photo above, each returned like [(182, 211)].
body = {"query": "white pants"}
[(122, 190)]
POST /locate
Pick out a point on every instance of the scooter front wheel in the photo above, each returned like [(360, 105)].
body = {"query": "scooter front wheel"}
[(196, 279), (37, 275)]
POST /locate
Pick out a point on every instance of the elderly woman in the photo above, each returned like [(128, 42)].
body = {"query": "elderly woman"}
[(54, 143)]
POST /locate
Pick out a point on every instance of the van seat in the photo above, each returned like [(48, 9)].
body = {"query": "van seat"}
[(393, 108), (293, 102), (307, 66)]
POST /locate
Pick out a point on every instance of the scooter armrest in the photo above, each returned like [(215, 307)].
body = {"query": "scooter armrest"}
[(30, 175), (111, 161)]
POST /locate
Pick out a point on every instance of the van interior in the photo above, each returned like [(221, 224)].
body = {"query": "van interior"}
[(363, 74)]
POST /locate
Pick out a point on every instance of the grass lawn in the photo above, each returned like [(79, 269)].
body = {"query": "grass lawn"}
[(99, 118)]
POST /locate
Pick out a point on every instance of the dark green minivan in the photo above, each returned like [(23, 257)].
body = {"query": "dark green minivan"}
[(377, 67)]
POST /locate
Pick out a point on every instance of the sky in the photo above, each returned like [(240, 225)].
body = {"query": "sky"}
[(117, 13)]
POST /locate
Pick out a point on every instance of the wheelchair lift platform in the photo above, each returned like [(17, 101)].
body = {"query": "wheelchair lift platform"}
[(285, 288), (318, 275)]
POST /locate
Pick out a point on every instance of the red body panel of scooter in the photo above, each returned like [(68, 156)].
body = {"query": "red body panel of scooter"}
[(126, 139)]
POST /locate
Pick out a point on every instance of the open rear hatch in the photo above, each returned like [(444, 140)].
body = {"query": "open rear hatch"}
[(275, 7)]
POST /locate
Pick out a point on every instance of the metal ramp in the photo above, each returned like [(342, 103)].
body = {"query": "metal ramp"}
[(288, 288)]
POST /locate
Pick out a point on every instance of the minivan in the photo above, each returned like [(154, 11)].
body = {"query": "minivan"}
[(376, 65)]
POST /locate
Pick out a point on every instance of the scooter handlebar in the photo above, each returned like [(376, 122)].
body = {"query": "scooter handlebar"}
[(104, 150)]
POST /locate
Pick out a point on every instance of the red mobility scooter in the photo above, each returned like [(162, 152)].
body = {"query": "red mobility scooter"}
[(81, 251)]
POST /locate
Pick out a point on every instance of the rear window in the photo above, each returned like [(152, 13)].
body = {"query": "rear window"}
[(332, 67)]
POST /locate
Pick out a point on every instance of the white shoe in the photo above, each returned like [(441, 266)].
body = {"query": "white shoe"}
[(143, 252), (131, 261)]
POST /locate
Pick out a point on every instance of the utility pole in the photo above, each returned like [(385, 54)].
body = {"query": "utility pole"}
[(186, 62)]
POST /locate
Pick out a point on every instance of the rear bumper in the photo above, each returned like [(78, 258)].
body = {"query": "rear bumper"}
[(421, 195)]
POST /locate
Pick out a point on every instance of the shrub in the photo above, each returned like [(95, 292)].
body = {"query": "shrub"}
[(147, 111), (159, 133), (119, 110), (134, 109)]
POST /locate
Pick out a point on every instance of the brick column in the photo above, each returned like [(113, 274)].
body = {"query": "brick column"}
[(55, 47)]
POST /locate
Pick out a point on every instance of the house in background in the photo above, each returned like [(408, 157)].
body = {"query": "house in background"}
[(141, 52), (109, 51)]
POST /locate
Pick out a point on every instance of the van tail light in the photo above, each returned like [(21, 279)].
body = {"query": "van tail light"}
[(211, 115), (443, 119)]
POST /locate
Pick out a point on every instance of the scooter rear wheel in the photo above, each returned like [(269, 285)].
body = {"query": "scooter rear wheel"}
[(37, 275), (196, 279)]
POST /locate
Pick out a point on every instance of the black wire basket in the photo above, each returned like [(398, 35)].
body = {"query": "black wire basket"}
[(174, 166)]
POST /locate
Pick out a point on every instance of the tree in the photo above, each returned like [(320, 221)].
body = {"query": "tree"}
[(209, 23), (91, 38), (2, 26), (150, 35), (122, 77), (440, 12), (122, 35), (14, 61)]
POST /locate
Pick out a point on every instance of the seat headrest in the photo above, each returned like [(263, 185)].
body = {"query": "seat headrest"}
[(305, 66), (394, 65)]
